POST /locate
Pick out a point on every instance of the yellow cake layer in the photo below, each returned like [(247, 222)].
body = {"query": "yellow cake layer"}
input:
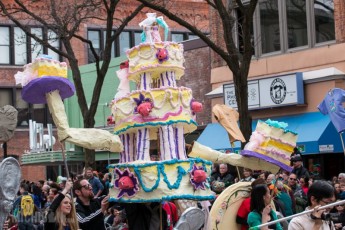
[(171, 106), (276, 133), (47, 67), (142, 59)]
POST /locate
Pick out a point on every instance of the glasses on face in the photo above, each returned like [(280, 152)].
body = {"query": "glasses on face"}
[(293, 179), (87, 186), (339, 206), (325, 202)]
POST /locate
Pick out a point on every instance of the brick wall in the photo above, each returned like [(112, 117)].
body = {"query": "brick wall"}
[(197, 77), (339, 18), (20, 144)]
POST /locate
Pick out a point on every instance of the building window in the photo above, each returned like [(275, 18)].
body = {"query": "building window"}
[(324, 21), (125, 41), (5, 45), (280, 26), (37, 112), (17, 49)]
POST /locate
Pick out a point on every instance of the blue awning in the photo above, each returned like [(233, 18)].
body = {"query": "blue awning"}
[(316, 134)]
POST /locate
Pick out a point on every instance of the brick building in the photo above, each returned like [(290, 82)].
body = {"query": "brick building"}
[(12, 40), (293, 40)]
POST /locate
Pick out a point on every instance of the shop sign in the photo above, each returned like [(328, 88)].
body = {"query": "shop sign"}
[(301, 148), (269, 92), (326, 148)]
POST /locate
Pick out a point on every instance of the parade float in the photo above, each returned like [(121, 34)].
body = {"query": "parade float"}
[(151, 121)]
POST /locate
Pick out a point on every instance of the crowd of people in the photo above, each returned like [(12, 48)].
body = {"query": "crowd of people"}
[(82, 202), (285, 194)]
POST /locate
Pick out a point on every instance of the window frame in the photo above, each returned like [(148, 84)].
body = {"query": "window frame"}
[(311, 31), (12, 59), (47, 119)]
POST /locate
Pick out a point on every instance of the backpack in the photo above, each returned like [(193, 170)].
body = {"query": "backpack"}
[(27, 205)]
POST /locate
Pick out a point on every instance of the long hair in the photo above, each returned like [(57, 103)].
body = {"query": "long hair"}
[(257, 202), (70, 219)]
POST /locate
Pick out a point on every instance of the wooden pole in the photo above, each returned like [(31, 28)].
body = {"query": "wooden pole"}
[(161, 216)]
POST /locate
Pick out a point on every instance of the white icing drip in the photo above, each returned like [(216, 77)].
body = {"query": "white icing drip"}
[(171, 98), (131, 110), (189, 100), (146, 54)]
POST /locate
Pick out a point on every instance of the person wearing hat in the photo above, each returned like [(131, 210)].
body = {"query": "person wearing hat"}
[(297, 163)]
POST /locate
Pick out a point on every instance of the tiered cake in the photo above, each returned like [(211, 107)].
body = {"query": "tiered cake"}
[(153, 120), (272, 142)]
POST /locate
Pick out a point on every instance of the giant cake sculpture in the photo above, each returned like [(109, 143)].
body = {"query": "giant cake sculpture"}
[(153, 119), (273, 142)]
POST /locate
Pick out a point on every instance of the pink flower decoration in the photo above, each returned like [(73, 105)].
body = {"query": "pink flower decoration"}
[(144, 109), (110, 120), (125, 182), (196, 107)]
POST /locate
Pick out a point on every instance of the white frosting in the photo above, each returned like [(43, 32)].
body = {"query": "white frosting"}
[(123, 88), (180, 142), (143, 144), (167, 143), (146, 81)]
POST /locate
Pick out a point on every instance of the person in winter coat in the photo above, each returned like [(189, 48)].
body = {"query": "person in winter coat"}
[(62, 214)]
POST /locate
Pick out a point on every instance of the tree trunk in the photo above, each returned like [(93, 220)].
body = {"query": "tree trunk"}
[(90, 158)]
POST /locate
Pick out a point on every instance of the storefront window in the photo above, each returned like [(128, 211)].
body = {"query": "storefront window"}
[(324, 20)]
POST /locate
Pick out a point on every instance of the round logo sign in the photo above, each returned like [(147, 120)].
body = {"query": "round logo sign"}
[(278, 91)]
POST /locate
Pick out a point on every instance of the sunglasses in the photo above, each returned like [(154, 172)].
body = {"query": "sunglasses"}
[(87, 186), (292, 179)]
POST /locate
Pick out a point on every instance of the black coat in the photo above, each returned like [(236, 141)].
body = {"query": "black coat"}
[(90, 217), (50, 223)]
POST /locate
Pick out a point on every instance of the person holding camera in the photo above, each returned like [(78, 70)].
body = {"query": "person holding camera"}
[(320, 193)]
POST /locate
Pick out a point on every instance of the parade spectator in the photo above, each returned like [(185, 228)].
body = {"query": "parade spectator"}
[(24, 208), (45, 193), (284, 198), (261, 208), (337, 190), (62, 214), (298, 168), (338, 216), (51, 195), (341, 178), (320, 193), (97, 186), (247, 175), (244, 209), (89, 209), (342, 189), (304, 183), (221, 179), (270, 178), (285, 175), (299, 197)]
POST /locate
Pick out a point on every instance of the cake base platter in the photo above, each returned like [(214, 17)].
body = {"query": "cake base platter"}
[(155, 181)]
